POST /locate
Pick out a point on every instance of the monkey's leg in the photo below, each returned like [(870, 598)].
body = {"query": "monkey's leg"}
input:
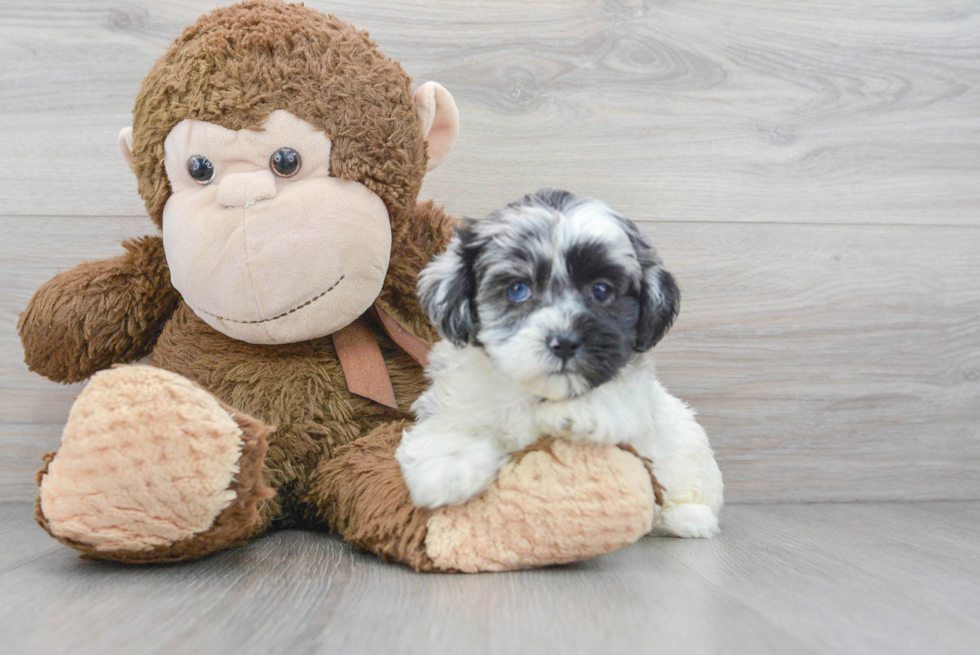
[(550, 504), (152, 468)]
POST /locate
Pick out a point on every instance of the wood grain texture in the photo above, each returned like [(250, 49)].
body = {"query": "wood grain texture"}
[(854, 578), (809, 170), (712, 111), (828, 362)]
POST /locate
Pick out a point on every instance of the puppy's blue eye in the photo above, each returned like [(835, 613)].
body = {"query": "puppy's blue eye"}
[(519, 292), (602, 293)]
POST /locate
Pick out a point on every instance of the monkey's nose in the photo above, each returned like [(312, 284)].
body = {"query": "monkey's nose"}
[(243, 189), (564, 345)]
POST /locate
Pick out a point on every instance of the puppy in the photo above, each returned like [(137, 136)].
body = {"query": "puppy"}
[(548, 309)]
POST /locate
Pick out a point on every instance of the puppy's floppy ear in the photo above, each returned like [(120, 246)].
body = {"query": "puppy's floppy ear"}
[(446, 288), (660, 299)]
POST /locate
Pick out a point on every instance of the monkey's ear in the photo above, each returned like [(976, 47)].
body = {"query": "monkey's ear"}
[(126, 144), (439, 118)]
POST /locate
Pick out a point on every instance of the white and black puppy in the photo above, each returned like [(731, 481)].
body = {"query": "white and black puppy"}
[(548, 309)]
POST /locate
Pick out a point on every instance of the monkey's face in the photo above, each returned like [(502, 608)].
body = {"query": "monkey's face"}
[(261, 242)]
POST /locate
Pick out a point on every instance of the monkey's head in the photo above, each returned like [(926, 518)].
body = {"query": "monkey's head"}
[(279, 150)]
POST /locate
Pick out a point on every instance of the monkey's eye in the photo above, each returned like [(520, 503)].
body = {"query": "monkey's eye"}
[(519, 292), (201, 169), (602, 293), (285, 162)]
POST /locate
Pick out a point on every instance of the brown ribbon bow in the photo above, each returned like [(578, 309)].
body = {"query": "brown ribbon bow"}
[(361, 359)]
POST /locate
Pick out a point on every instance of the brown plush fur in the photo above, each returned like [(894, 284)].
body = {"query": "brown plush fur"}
[(233, 67), (99, 313), (415, 241), (323, 70), (368, 500), (298, 388)]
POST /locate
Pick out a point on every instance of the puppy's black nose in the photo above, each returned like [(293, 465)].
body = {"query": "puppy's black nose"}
[(564, 345)]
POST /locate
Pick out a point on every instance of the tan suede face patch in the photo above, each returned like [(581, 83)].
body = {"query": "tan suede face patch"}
[(146, 460), (553, 506), (263, 258)]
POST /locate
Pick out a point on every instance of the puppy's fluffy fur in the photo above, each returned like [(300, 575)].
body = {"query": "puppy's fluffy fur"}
[(548, 309)]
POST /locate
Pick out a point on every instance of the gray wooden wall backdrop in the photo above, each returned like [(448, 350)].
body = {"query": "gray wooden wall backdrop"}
[(810, 171)]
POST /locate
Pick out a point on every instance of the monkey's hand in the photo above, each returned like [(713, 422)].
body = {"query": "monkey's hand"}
[(99, 313)]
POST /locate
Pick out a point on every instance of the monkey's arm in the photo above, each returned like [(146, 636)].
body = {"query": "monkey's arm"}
[(423, 236), (99, 313)]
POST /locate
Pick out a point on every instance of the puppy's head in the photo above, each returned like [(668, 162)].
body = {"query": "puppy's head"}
[(560, 292)]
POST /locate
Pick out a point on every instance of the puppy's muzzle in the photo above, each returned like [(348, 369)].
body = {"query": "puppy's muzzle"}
[(564, 345)]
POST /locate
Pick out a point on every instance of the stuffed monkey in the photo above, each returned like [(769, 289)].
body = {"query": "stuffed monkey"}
[(281, 154)]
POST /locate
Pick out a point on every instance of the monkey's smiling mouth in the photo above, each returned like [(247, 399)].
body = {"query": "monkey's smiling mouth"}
[(285, 313)]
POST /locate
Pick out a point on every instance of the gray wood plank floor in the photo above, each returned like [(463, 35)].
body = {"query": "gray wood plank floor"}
[(852, 578)]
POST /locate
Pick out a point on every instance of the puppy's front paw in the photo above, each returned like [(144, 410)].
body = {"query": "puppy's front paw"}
[(449, 478), (690, 520), (564, 418), (448, 481)]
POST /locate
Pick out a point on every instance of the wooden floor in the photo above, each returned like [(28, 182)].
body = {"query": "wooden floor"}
[(822, 578)]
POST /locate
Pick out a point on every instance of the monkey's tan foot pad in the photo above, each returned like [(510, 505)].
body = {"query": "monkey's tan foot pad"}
[(554, 505), (153, 468)]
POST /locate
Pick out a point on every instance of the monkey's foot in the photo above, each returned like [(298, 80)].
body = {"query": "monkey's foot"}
[(152, 468), (552, 504)]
